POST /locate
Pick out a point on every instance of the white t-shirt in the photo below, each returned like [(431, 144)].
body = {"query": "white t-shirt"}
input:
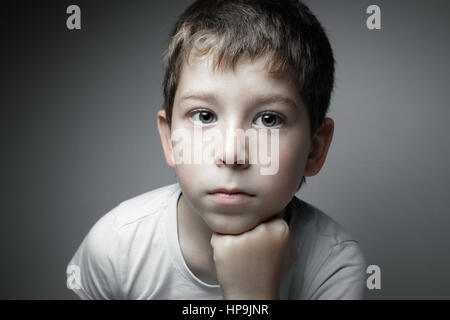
[(133, 252)]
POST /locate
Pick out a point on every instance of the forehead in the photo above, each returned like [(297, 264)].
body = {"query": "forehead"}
[(250, 78)]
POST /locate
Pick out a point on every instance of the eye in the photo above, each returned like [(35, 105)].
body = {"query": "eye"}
[(269, 120), (203, 116)]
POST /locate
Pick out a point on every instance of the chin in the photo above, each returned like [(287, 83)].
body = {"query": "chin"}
[(233, 225)]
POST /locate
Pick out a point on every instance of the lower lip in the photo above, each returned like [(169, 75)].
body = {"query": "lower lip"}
[(233, 198)]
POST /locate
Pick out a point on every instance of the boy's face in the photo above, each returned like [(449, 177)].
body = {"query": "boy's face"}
[(224, 102)]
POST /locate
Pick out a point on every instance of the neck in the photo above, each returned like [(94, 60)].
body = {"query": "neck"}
[(194, 237)]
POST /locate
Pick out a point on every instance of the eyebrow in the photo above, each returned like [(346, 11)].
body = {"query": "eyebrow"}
[(209, 97), (276, 99), (259, 100)]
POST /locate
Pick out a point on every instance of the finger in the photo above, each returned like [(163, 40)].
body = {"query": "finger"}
[(213, 240), (274, 218), (279, 225)]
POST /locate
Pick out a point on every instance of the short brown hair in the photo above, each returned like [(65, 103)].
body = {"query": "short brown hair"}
[(285, 31)]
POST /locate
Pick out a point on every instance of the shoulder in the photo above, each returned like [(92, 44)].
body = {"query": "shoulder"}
[(145, 205), (119, 226), (334, 262), (130, 211), (99, 256), (307, 220)]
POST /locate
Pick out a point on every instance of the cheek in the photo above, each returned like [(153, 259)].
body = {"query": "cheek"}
[(292, 162), (292, 158), (188, 173)]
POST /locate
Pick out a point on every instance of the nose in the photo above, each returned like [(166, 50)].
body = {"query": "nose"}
[(234, 152)]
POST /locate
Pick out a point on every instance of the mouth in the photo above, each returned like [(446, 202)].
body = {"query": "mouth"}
[(230, 196), (230, 192)]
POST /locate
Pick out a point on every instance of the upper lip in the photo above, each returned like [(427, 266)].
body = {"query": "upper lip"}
[(230, 191)]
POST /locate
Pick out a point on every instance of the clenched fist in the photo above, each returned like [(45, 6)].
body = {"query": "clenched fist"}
[(251, 265)]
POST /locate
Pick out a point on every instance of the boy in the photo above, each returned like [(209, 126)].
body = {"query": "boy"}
[(226, 230)]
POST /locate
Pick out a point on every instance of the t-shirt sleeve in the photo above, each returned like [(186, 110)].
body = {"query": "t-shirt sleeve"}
[(342, 274), (93, 272)]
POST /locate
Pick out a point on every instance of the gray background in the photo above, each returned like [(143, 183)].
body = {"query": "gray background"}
[(78, 134)]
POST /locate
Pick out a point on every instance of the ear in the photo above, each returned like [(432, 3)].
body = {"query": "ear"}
[(319, 147), (165, 134)]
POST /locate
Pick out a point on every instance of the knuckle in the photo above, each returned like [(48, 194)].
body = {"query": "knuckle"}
[(213, 240), (284, 227), (281, 229), (262, 227), (223, 242), (227, 242)]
